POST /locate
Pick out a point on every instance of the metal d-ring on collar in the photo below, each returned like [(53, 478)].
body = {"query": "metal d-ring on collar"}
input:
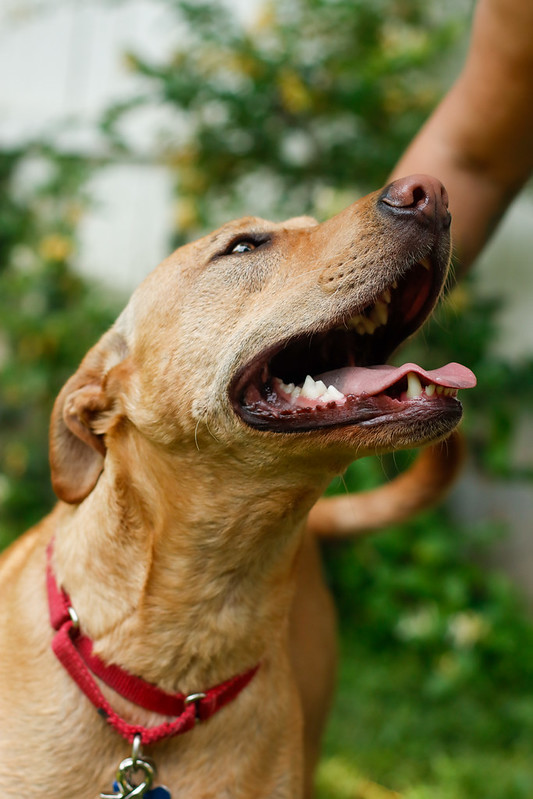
[(194, 699), (125, 787)]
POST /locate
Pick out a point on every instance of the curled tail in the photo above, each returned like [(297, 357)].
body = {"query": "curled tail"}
[(422, 485)]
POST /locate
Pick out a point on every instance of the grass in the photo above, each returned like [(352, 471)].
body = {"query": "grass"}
[(391, 731)]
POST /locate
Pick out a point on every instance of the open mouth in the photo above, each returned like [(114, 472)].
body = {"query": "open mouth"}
[(338, 376)]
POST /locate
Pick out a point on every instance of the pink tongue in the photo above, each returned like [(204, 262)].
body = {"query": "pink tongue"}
[(375, 379)]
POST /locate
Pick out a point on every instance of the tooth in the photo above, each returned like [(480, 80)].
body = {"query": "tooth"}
[(425, 262), (430, 390), (374, 316), (439, 389), (394, 284), (354, 321), (386, 296), (288, 388), (334, 394), (381, 312), (308, 388), (369, 325), (414, 386), (312, 389), (360, 328)]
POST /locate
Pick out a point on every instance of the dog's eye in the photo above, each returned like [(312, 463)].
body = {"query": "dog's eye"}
[(243, 246)]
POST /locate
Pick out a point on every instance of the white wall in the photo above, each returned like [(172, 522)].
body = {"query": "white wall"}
[(62, 64)]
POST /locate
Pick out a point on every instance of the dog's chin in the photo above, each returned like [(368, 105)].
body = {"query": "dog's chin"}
[(336, 377)]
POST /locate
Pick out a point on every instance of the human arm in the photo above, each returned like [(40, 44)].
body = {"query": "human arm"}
[(479, 140)]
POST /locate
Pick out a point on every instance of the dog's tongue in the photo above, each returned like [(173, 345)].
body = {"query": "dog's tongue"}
[(375, 379)]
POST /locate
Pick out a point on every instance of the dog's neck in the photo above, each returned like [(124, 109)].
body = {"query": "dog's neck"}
[(190, 562)]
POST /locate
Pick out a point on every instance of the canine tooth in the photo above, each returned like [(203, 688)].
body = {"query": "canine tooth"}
[(333, 394), (311, 389), (430, 390), (414, 386), (425, 262), (386, 296), (369, 325), (381, 311)]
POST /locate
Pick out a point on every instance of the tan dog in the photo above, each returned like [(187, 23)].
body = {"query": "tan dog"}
[(186, 461)]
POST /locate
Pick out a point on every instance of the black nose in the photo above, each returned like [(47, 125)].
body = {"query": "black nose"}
[(420, 196)]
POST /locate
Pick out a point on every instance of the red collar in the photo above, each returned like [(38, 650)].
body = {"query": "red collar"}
[(74, 651)]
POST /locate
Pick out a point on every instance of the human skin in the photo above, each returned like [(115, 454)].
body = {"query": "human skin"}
[(479, 140)]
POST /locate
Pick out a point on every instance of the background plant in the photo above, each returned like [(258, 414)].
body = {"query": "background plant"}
[(49, 317)]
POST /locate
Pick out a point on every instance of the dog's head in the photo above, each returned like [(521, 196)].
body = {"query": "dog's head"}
[(274, 337)]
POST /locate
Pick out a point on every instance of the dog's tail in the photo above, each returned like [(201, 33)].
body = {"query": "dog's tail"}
[(422, 485)]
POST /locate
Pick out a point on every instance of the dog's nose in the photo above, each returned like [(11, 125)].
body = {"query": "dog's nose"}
[(420, 196)]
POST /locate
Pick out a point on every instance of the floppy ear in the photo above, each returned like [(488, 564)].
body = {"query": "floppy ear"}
[(83, 412)]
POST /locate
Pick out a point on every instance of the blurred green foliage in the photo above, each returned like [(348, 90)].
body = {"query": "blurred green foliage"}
[(298, 112), (49, 315)]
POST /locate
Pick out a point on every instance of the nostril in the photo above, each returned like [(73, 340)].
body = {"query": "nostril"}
[(421, 196)]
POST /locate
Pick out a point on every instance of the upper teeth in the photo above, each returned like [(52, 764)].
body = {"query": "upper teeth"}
[(312, 389), (375, 317)]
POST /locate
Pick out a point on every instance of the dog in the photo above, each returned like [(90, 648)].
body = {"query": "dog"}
[(187, 452)]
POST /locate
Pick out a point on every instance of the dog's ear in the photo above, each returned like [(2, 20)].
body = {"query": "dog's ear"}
[(87, 407)]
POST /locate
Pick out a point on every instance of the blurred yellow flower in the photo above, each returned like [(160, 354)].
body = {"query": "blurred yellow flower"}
[(395, 100), (192, 180), (467, 628), (266, 17), (130, 62), (186, 214), (16, 458), (55, 247), (295, 96)]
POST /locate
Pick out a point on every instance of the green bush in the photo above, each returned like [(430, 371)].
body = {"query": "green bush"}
[(297, 112), (49, 316)]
